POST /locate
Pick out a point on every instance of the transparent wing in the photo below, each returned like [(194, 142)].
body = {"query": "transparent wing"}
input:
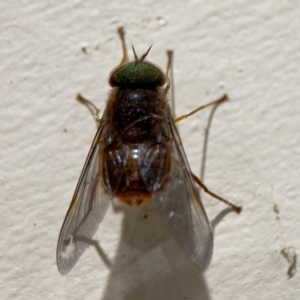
[(181, 207), (86, 211)]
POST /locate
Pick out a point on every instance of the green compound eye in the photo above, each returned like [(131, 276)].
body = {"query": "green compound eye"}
[(137, 73)]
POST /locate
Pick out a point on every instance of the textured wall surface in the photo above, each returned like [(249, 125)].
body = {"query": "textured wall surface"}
[(247, 49)]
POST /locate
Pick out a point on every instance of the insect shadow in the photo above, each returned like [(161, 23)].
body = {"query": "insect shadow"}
[(218, 218), (149, 264)]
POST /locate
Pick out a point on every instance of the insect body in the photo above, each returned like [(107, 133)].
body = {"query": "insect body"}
[(136, 153), (136, 157)]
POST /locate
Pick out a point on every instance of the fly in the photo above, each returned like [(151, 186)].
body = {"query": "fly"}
[(137, 157)]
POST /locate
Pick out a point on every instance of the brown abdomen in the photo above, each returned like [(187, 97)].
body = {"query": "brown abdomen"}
[(135, 160)]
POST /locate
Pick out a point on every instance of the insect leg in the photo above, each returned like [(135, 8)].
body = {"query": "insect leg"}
[(238, 209), (94, 110), (222, 99), (121, 33), (167, 87)]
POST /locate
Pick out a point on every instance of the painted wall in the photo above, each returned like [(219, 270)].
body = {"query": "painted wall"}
[(51, 50)]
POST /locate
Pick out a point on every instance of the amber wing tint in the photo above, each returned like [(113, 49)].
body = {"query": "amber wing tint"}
[(87, 209), (180, 205)]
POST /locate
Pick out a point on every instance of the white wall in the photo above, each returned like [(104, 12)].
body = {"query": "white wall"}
[(248, 49)]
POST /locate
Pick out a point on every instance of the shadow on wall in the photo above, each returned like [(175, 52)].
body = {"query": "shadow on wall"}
[(149, 264)]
